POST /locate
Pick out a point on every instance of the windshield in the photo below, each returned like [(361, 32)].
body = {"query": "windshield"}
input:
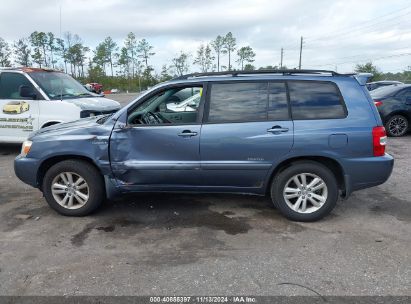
[(385, 91), (59, 85)]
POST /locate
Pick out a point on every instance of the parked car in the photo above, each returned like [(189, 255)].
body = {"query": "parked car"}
[(94, 87), (32, 98), (378, 84), (394, 105), (304, 138)]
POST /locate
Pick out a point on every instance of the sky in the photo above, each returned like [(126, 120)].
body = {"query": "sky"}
[(336, 34)]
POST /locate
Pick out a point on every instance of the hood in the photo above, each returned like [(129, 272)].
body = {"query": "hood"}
[(70, 127), (98, 104)]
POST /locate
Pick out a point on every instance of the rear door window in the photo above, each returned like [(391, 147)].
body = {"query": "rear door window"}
[(248, 101), (238, 102), (316, 100)]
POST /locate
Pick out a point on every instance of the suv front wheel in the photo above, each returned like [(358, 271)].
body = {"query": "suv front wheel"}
[(306, 191), (73, 187)]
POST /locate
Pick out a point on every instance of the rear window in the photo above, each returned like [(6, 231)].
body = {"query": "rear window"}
[(315, 100), (386, 91), (248, 101)]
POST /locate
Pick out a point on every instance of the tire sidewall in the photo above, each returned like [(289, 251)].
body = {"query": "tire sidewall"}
[(86, 171), (305, 167)]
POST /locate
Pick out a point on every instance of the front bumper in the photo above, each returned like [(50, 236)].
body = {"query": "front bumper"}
[(26, 170), (361, 173)]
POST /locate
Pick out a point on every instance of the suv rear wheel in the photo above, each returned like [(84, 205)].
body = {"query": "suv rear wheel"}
[(306, 191), (73, 187), (396, 126)]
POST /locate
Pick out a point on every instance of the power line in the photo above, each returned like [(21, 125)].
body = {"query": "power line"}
[(359, 27), (376, 30), (366, 60)]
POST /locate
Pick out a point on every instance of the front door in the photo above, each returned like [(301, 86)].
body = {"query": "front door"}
[(157, 145), (247, 131), (18, 116)]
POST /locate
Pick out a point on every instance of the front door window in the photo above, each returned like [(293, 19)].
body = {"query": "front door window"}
[(178, 105)]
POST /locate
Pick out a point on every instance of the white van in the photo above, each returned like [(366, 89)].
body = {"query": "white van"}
[(33, 98)]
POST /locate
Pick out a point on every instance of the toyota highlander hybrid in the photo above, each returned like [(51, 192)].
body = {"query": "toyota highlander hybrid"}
[(301, 137), (33, 98)]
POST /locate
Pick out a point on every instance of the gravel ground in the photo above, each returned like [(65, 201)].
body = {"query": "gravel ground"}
[(150, 244)]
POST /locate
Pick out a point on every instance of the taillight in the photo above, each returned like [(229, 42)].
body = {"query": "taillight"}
[(379, 141), (377, 103)]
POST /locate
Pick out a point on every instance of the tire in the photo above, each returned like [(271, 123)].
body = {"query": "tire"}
[(92, 188), (397, 126), (311, 170)]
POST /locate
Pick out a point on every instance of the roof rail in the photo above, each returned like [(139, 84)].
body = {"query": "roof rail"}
[(257, 72)]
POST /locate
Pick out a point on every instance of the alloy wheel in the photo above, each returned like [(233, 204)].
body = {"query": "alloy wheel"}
[(70, 190), (305, 193), (398, 125)]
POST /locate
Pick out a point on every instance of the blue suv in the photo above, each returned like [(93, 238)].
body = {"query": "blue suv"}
[(303, 137)]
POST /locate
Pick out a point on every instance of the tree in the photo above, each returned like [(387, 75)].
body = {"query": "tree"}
[(52, 47), (70, 53), (100, 56), (229, 45), (204, 58), (131, 46), (39, 42), (5, 53), (245, 54), (218, 46), (62, 51), (144, 50), (369, 68), (22, 52), (180, 63), (164, 76), (249, 67), (110, 52), (123, 62)]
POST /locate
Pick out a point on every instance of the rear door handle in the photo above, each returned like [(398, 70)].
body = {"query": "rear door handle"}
[(187, 133), (277, 129)]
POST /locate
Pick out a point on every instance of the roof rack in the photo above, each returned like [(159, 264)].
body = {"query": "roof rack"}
[(257, 72)]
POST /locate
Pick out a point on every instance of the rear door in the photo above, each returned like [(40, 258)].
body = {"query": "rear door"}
[(247, 130), (18, 116)]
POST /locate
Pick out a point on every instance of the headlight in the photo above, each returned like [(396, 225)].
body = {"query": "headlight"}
[(25, 148)]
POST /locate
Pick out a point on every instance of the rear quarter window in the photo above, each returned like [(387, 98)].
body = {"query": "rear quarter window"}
[(316, 100)]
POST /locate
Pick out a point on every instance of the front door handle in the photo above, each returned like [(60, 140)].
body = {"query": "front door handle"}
[(187, 133), (277, 129)]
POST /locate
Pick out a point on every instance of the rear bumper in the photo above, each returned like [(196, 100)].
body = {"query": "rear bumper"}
[(26, 170), (361, 173)]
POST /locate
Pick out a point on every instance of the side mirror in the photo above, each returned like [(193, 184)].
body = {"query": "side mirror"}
[(27, 92)]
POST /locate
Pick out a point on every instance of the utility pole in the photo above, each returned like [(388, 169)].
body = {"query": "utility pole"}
[(301, 51), (281, 61)]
